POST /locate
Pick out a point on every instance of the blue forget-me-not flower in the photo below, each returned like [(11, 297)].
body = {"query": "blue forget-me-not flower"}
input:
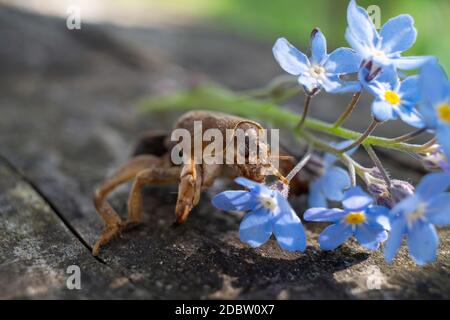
[(359, 218), (416, 216), (435, 105), (384, 48), (322, 70), (394, 98), (267, 212)]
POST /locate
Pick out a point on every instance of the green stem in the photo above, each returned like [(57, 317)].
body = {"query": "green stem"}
[(429, 145), (279, 89), (301, 164), (286, 119), (305, 112), (379, 165), (289, 93), (219, 99), (409, 136), (349, 110), (363, 137), (353, 167)]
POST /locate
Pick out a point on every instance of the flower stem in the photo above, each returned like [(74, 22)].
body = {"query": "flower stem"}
[(379, 165), (223, 100), (428, 145), (353, 167), (301, 164), (363, 137), (305, 112), (409, 136), (348, 111), (278, 90), (323, 127)]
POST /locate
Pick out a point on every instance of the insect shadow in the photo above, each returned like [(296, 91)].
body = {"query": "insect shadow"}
[(217, 263)]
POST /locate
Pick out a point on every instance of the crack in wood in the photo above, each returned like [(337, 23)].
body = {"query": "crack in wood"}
[(49, 203), (61, 217)]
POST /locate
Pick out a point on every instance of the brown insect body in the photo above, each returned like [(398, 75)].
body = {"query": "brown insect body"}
[(151, 165)]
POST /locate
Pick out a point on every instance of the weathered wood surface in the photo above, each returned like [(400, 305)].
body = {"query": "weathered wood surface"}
[(68, 120), (37, 248)]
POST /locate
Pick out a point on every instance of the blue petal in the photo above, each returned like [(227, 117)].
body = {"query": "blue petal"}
[(438, 210), (348, 86), (383, 111), (388, 76), (433, 85), (234, 201), (315, 196), (433, 184), (333, 84), (374, 87), (428, 114), (443, 136), (370, 236), (423, 242), (355, 199), (411, 63), (378, 215), (445, 165), (343, 61), (288, 228), (406, 206), (398, 34), (249, 184), (324, 215), (290, 58), (361, 47), (409, 90), (411, 117), (318, 47), (393, 243), (335, 181), (335, 235), (361, 26), (309, 83), (256, 228), (387, 79)]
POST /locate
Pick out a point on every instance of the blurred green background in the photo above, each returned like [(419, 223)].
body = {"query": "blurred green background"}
[(294, 19)]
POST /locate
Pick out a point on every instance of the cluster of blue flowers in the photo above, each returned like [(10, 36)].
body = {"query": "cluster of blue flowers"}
[(377, 58), (422, 101)]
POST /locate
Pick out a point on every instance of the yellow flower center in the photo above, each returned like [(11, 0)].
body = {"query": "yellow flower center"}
[(392, 97), (444, 112), (355, 218), (268, 202)]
